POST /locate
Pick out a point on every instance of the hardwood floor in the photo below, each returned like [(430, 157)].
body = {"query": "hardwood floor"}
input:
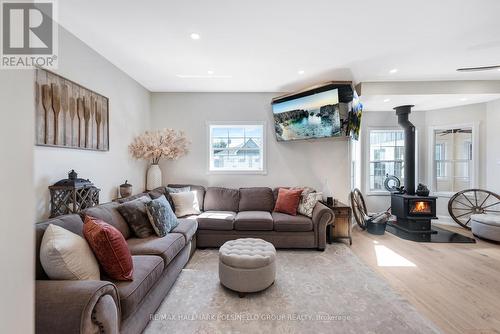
[(457, 286)]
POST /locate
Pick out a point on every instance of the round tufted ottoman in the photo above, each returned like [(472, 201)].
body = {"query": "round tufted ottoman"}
[(247, 265), (486, 226)]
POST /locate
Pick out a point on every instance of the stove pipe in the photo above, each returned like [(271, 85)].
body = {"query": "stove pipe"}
[(409, 166)]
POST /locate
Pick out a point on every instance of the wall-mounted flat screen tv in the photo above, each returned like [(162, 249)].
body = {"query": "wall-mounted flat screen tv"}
[(319, 112)]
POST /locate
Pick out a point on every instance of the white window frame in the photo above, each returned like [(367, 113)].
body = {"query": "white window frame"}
[(209, 124), (366, 154), (474, 173)]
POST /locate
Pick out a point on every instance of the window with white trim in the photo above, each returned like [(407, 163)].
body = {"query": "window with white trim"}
[(386, 157), (453, 159), (237, 147)]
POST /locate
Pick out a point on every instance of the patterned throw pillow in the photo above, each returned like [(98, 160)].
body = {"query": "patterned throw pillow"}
[(161, 216), (308, 202), (134, 213)]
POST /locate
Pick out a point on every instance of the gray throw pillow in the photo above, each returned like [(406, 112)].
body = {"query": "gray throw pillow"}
[(134, 213), (161, 216)]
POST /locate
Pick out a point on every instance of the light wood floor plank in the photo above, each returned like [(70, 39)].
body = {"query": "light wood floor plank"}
[(457, 286)]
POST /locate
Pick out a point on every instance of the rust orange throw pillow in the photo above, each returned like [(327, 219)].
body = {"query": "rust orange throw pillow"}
[(288, 201), (110, 249)]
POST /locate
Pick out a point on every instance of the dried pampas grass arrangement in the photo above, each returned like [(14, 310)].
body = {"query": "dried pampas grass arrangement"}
[(160, 144)]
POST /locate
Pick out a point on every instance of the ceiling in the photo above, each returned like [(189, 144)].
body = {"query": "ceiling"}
[(260, 45)]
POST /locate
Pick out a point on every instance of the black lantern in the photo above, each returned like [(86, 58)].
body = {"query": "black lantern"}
[(72, 195)]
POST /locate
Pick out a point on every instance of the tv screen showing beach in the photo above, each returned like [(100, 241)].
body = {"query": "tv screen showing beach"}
[(312, 116)]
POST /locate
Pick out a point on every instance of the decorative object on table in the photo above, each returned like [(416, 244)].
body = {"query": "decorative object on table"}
[(69, 115), (470, 202), (329, 200), (422, 190), (72, 195), (392, 183), (157, 145), (125, 189)]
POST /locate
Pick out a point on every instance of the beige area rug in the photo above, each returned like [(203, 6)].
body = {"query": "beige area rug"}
[(314, 292)]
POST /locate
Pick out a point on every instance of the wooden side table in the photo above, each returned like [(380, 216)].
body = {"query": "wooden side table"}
[(341, 228)]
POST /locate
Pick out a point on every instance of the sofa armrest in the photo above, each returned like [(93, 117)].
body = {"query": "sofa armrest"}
[(76, 307), (322, 217)]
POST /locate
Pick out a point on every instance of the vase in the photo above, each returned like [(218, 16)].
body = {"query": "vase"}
[(153, 179)]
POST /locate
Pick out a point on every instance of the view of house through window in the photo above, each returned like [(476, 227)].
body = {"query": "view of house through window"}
[(236, 147), (453, 159), (386, 157)]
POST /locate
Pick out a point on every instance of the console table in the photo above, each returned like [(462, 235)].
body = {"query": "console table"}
[(341, 228)]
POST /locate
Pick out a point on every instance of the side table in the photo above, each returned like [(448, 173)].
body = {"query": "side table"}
[(341, 228)]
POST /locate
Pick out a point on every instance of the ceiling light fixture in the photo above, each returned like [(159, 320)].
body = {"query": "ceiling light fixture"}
[(203, 76), (394, 70), (300, 72), (387, 100), (195, 36), (210, 72), (478, 68)]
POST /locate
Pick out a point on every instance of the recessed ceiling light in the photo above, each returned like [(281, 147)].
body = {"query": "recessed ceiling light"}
[(394, 70), (195, 36), (210, 72), (463, 99), (300, 72), (387, 100)]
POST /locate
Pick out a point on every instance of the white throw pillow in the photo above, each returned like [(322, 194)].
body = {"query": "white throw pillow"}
[(186, 203), (308, 202), (67, 256)]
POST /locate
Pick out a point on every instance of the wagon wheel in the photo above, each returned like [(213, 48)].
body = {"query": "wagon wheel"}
[(470, 202), (358, 207)]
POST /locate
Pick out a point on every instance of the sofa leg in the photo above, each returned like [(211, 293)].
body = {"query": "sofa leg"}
[(320, 249), (242, 294)]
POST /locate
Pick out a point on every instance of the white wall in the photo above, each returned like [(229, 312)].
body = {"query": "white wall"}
[(129, 111), (493, 147), (301, 163), (17, 201)]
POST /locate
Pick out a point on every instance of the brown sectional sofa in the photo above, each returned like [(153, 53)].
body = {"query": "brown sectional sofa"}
[(108, 306)]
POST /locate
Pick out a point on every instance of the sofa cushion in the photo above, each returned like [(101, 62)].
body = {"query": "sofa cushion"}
[(147, 271), (167, 247), (161, 216), (186, 203), (256, 199), (216, 220), (288, 223), (110, 248), (288, 201), (253, 221), (67, 256), (73, 223), (187, 227), (108, 213), (135, 214), (162, 191), (222, 199), (200, 192)]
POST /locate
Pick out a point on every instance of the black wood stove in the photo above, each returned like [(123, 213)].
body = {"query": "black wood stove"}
[(413, 212)]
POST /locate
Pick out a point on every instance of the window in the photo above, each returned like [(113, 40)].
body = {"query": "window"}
[(236, 147), (386, 157), (453, 152)]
